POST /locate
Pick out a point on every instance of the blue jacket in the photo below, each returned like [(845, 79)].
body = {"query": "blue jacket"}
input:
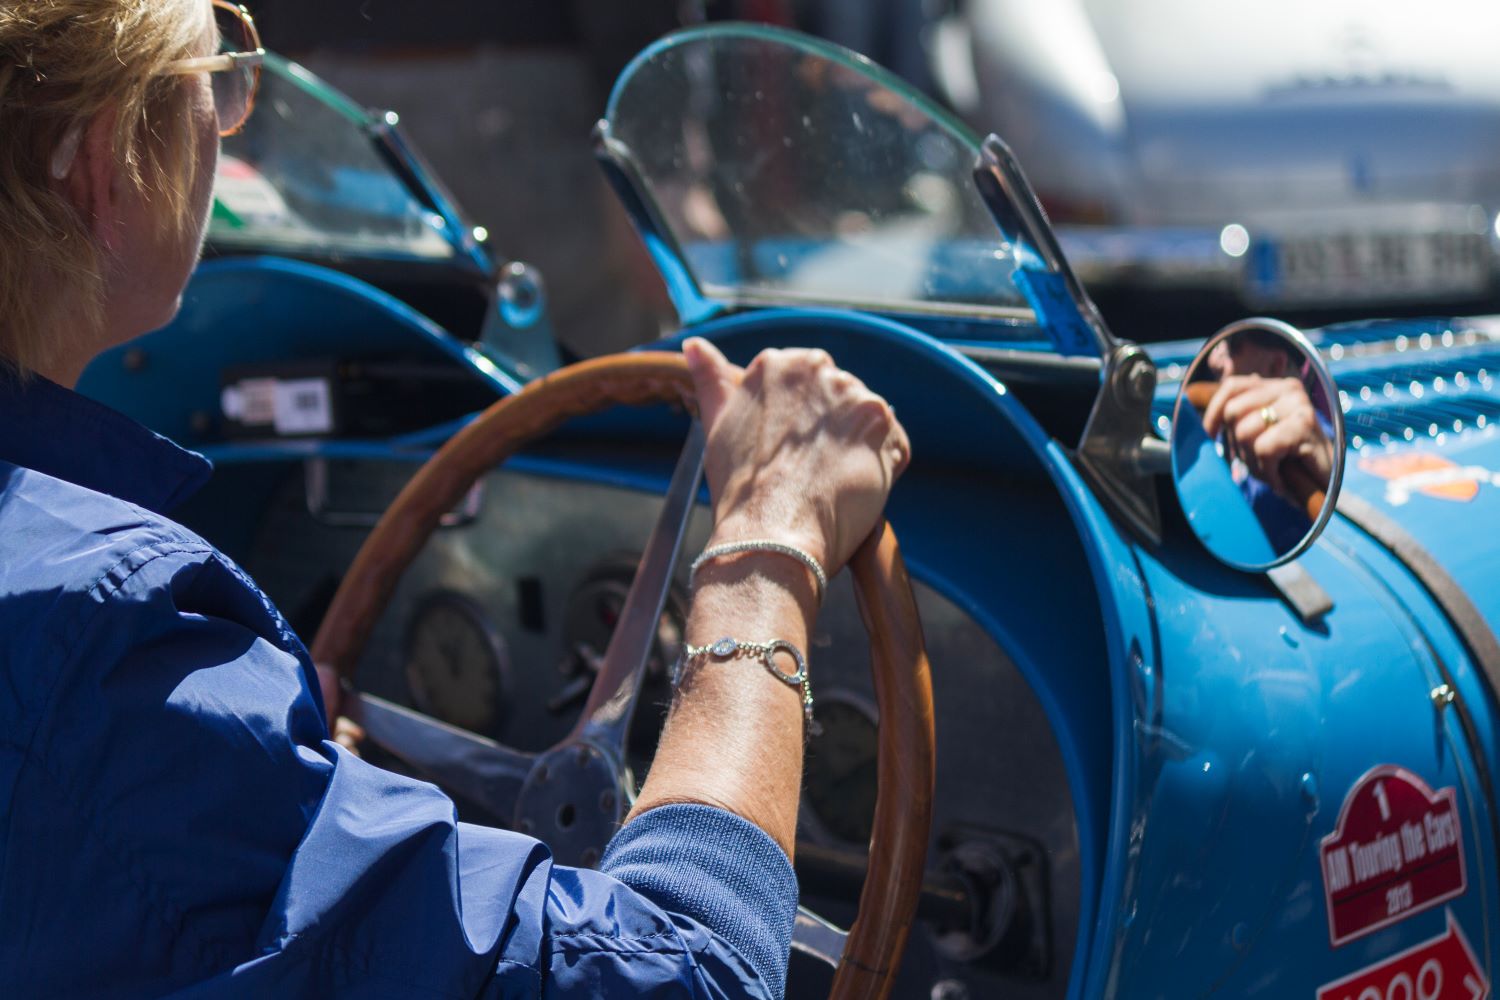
[(174, 820)]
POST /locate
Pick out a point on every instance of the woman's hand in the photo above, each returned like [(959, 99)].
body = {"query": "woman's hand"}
[(799, 451), (1268, 421)]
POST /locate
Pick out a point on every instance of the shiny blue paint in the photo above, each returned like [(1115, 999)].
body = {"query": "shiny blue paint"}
[(1265, 724), (1236, 729), (1418, 603), (1133, 680), (1209, 734), (1329, 702), (1428, 628)]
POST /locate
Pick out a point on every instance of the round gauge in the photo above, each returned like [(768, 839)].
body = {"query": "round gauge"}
[(593, 611), (456, 663), (841, 768)]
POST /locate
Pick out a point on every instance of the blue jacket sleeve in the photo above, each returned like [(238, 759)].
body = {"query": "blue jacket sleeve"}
[(726, 874), (179, 810)]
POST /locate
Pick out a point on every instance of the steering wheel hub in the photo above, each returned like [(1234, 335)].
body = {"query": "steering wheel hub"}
[(573, 800)]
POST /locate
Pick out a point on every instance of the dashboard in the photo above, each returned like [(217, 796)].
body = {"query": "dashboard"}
[(498, 625)]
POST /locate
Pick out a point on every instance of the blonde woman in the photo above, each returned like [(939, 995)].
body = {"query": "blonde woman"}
[(173, 817)]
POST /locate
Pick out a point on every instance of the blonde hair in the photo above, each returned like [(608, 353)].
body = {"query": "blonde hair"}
[(63, 62)]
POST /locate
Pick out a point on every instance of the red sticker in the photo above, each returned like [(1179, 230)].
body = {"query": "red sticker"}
[(1397, 850), (1441, 968)]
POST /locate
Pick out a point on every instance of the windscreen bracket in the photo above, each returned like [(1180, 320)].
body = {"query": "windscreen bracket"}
[(1063, 309), (1114, 455)]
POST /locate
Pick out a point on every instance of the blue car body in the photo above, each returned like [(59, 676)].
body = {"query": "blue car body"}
[(1162, 750)]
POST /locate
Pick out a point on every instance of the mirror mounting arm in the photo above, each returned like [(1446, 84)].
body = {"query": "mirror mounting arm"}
[(1153, 457), (1118, 454), (1301, 592)]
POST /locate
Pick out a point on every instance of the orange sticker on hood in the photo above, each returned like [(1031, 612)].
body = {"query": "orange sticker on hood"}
[(1428, 474)]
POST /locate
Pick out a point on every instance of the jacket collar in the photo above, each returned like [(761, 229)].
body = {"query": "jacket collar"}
[(57, 432)]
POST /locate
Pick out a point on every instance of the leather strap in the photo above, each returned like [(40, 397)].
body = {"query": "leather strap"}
[(1473, 630)]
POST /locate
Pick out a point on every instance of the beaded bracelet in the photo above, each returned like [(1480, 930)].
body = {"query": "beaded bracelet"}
[(762, 545)]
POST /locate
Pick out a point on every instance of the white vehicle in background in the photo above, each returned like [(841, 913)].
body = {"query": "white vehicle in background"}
[(1287, 157)]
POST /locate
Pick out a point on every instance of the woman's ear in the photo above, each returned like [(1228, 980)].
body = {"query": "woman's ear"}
[(94, 183)]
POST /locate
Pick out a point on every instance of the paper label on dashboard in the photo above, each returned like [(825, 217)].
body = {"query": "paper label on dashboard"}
[(1397, 850), (251, 402), (303, 406)]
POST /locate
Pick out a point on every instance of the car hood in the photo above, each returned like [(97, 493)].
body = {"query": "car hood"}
[(1280, 105), (1425, 410)]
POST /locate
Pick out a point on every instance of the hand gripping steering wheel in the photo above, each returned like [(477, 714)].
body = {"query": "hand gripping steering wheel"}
[(583, 779)]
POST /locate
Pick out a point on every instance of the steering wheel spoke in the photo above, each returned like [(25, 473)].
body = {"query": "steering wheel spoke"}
[(488, 773), (611, 704), (817, 937)]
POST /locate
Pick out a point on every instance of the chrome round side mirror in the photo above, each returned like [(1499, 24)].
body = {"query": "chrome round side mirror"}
[(1257, 444)]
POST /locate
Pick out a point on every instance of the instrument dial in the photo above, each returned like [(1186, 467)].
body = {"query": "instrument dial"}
[(842, 767), (592, 614), (457, 663)]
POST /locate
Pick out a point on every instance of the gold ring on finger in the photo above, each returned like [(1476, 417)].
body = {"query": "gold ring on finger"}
[(1268, 415)]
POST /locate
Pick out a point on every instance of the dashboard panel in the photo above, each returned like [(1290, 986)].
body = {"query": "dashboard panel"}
[(497, 622)]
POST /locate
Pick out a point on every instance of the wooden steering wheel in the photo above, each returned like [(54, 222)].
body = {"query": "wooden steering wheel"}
[(587, 766)]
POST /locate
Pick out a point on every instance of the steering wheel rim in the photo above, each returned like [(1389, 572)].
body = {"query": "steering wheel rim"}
[(907, 743)]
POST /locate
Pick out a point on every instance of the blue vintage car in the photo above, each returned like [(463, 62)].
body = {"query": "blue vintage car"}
[(1161, 742)]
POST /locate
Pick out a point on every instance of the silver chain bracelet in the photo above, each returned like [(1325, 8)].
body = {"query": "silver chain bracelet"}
[(729, 649)]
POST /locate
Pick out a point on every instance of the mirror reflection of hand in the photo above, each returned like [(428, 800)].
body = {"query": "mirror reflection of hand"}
[(798, 450), (1269, 421)]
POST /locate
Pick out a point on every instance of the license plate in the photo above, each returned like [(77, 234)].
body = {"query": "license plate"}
[(1339, 268)]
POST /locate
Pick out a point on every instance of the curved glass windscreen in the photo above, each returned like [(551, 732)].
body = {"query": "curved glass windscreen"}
[(305, 177), (789, 170)]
